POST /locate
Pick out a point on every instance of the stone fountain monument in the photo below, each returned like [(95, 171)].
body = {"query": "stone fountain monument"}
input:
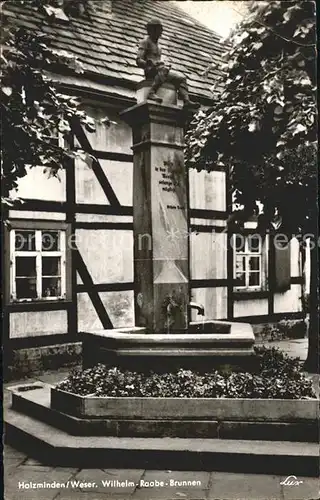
[(163, 330), (70, 430)]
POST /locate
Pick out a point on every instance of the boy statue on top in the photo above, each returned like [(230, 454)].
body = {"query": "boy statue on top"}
[(149, 58)]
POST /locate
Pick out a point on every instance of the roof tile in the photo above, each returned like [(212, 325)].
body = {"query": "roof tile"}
[(107, 44)]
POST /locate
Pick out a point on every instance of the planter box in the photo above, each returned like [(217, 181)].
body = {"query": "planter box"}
[(263, 410)]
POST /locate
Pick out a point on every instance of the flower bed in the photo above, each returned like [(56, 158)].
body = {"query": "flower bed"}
[(278, 377)]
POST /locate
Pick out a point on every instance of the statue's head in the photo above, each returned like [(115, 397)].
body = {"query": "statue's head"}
[(154, 29)]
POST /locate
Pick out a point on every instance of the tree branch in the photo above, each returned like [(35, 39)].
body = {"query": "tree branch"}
[(289, 40)]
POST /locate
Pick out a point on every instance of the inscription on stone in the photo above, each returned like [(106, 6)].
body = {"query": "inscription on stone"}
[(168, 184)]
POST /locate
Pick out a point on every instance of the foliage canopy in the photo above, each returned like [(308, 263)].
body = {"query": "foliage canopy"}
[(33, 112), (262, 126)]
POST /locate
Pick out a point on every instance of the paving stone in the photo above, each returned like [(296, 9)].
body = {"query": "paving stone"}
[(108, 481), (53, 377), (171, 484), (169, 494), (229, 486), (13, 492), (9, 451), (80, 495), (174, 479), (25, 380), (308, 490), (40, 494), (32, 462), (34, 474), (12, 457), (294, 348), (72, 471), (35, 467), (10, 470), (11, 462)]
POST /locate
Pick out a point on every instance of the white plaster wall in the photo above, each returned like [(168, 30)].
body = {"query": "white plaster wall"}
[(26, 214), (117, 138), (307, 268), (254, 307), (103, 218), (208, 222), (120, 176), (208, 254), (289, 301), (87, 316), (35, 323), (214, 301), (89, 190), (295, 258), (207, 190), (38, 184), (108, 254), (119, 306)]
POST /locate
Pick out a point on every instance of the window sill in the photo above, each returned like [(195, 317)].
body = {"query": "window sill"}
[(38, 305), (38, 301), (250, 294)]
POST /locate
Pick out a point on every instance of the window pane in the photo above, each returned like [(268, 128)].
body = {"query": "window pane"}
[(239, 243), (254, 263), (240, 263), (50, 241), (254, 279), (25, 266), (25, 241), (254, 243), (51, 287), (51, 266), (240, 270), (26, 288), (240, 279)]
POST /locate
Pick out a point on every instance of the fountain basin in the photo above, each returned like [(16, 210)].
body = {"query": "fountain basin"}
[(229, 344)]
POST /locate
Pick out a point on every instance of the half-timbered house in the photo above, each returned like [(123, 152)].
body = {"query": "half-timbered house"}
[(84, 279)]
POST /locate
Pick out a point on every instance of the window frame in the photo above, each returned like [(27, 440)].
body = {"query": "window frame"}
[(64, 253), (262, 254)]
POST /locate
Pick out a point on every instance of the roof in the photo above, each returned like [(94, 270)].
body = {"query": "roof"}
[(106, 42)]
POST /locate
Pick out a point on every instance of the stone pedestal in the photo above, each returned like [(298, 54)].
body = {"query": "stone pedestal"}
[(167, 92), (161, 269)]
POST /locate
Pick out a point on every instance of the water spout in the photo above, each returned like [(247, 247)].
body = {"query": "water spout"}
[(198, 307)]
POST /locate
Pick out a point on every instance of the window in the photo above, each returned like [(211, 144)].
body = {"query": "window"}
[(38, 264), (248, 262)]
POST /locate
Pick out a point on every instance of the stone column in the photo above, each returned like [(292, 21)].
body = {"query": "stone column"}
[(160, 217)]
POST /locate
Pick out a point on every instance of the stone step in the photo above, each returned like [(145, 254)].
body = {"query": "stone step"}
[(53, 446), (36, 404)]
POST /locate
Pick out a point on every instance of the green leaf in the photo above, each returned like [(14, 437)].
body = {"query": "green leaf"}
[(253, 126), (278, 110), (299, 129), (7, 91), (257, 45)]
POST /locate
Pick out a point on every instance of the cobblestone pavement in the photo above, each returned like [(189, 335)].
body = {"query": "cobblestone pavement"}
[(59, 483)]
